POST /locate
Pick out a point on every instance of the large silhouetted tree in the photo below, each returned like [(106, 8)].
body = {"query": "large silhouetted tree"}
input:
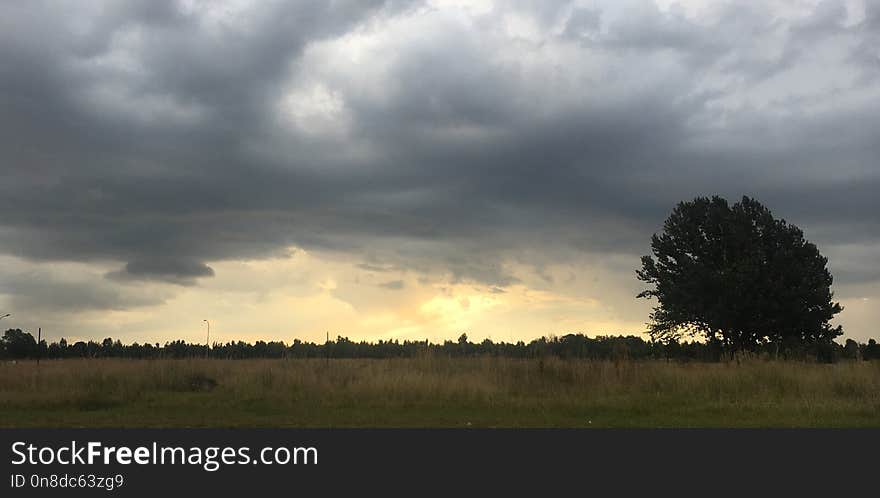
[(19, 344), (738, 277)]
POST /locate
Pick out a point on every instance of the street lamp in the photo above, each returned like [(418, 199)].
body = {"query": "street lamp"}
[(4, 316), (208, 340)]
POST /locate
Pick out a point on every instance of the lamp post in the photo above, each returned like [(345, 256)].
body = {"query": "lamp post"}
[(8, 314), (208, 340)]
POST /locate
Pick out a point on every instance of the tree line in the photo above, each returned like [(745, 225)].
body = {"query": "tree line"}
[(17, 344)]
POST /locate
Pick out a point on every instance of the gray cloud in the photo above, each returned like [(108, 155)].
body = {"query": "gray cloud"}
[(159, 139), (173, 270), (393, 285), (36, 293)]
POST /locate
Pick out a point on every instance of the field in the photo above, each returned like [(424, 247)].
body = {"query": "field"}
[(437, 392)]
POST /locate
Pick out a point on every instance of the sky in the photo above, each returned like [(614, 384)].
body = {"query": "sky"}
[(414, 170)]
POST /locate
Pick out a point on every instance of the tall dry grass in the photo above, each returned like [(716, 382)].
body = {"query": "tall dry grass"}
[(437, 391)]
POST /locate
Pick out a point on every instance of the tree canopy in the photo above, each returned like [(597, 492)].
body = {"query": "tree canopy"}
[(738, 277), (19, 344)]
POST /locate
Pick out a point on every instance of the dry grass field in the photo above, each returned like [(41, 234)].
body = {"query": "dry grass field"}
[(437, 392)]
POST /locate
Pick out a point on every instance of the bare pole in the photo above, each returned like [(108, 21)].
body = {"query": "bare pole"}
[(10, 314), (208, 340)]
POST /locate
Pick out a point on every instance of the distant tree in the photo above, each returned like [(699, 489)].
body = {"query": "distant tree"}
[(851, 350), (738, 277), (871, 351), (19, 344)]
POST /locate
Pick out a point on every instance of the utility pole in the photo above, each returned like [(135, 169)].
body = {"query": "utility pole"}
[(208, 340), (39, 340)]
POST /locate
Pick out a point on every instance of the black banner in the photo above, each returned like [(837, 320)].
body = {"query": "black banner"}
[(227, 462)]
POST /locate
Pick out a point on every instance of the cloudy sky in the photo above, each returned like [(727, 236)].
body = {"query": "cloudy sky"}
[(414, 170)]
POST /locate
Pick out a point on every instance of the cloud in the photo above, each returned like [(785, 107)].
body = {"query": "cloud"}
[(393, 285), (62, 289), (168, 269)]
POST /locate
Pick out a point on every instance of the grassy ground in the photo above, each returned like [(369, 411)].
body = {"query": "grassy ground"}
[(436, 392)]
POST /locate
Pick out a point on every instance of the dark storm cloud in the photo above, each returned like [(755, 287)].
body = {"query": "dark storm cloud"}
[(173, 270), (160, 139), (123, 127)]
